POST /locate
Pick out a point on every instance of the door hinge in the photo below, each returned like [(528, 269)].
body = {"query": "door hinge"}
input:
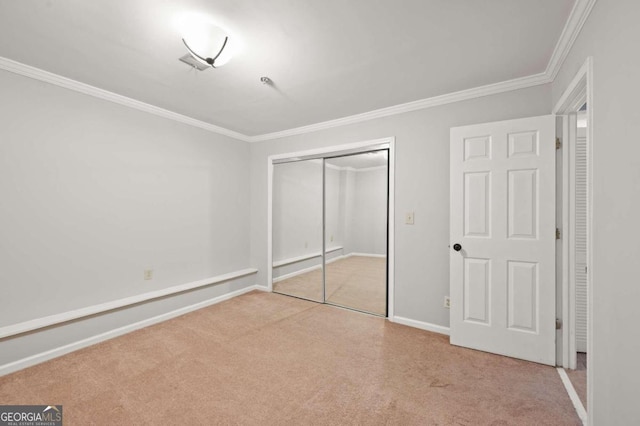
[(558, 143), (558, 234), (558, 324)]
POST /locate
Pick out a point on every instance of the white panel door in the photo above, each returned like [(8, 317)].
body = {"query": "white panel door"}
[(502, 229)]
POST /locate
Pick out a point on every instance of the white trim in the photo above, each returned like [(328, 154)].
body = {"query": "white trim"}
[(566, 230), (366, 169), (573, 395), (366, 255), (76, 86), (570, 101), (296, 273), (574, 90), (269, 223), (62, 350), (391, 243), (35, 324), (590, 245), (332, 150), (390, 141), (421, 325), (309, 269), (353, 169), (296, 259), (261, 288), (581, 86), (575, 22), (462, 95)]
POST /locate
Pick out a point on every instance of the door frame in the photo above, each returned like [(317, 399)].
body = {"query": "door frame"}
[(336, 150), (579, 91)]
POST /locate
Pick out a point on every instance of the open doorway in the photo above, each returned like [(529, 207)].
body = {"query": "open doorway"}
[(578, 250), (575, 108)]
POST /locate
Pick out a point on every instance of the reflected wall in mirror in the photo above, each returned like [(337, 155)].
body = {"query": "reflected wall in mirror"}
[(356, 231), (297, 229)]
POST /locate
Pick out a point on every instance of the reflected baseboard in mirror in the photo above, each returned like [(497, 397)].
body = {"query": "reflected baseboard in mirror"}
[(353, 281), (307, 285)]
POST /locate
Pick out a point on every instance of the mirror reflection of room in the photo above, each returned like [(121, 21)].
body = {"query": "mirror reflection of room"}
[(355, 230), (297, 229), (356, 220)]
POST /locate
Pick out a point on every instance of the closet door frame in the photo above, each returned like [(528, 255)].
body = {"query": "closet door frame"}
[(333, 151)]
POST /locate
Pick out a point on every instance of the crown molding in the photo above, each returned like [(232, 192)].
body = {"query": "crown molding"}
[(572, 28), (463, 95), (55, 79), (577, 18), (575, 22)]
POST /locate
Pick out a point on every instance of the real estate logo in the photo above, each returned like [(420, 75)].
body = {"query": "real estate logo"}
[(30, 415)]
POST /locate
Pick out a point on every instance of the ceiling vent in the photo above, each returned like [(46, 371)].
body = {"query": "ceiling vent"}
[(193, 62)]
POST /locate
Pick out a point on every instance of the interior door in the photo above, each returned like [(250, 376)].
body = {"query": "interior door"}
[(502, 230)]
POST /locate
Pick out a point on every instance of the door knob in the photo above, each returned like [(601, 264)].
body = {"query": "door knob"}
[(457, 247)]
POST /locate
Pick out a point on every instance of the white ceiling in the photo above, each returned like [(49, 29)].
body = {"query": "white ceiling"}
[(328, 59)]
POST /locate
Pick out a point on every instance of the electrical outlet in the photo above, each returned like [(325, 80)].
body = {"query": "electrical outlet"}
[(332, 238), (409, 218), (148, 274), (447, 302)]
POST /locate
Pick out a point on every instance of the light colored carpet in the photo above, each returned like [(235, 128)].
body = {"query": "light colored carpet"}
[(268, 359), (357, 282)]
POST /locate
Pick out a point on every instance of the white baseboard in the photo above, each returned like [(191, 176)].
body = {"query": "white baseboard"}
[(308, 256), (63, 350), (573, 395), (48, 321), (262, 288), (309, 269), (335, 259), (421, 325), (366, 255), (293, 274)]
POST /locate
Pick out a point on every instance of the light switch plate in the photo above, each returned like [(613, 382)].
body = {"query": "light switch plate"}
[(409, 218)]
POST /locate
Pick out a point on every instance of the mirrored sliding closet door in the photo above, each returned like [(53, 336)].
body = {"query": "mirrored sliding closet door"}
[(330, 229), (356, 193), (297, 229)]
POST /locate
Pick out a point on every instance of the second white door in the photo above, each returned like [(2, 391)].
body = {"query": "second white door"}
[(502, 234)]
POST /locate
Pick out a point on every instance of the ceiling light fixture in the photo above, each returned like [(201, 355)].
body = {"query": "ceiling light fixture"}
[(210, 61), (209, 41)]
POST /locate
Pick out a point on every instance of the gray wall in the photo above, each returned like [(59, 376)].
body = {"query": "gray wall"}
[(368, 218), (422, 185), (611, 36), (355, 205), (94, 193), (297, 209)]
